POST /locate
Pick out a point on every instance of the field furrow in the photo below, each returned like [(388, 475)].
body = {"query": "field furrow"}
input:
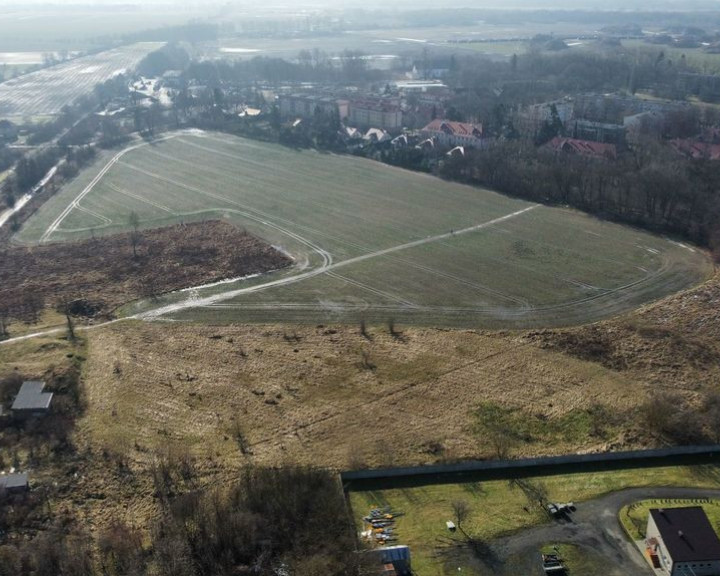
[(369, 241)]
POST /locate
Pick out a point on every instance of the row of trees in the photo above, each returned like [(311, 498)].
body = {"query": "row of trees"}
[(654, 187)]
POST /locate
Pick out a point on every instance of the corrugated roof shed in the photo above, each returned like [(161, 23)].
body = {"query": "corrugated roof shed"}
[(687, 534), (32, 397)]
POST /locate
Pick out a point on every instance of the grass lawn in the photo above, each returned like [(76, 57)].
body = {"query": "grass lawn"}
[(635, 516), (500, 507), (398, 243)]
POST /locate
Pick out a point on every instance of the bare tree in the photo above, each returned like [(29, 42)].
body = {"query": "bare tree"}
[(135, 236), (363, 330), (461, 512), (4, 316), (65, 306), (502, 441)]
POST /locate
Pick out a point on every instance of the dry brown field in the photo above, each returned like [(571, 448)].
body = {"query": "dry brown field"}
[(225, 396)]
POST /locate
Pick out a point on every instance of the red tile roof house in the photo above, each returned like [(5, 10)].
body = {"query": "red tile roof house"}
[(696, 149), (451, 134), (582, 147), (682, 541)]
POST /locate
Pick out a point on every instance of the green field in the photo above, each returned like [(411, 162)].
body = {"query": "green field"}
[(370, 241), (695, 57), (501, 507)]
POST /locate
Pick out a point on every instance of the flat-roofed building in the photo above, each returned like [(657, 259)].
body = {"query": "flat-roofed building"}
[(31, 400), (13, 483), (377, 113), (306, 105)]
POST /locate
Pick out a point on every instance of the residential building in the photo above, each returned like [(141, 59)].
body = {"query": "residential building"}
[(382, 113), (696, 149), (649, 123), (376, 135), (599, 132), (31, 400), (305, 105), (681, 541), (589, 148), (419, 86), (451, 134), (530, 120)]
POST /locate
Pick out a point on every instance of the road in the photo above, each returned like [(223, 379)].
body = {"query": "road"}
[(594, 527), (5, 216)]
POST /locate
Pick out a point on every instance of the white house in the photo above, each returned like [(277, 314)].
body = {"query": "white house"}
[(682, 542)]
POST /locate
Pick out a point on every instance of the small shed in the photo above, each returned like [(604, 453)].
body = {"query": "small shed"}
[(31, 400), (14, 483)]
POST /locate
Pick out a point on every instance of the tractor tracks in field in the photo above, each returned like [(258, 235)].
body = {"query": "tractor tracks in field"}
[(519, 307), (75, 203)]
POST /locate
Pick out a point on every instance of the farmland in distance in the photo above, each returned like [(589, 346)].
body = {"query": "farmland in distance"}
[(370, 241), (46, 91)]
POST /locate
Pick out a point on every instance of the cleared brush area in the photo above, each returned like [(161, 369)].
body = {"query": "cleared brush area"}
[(330, 396), (384, 241), (95, 276)]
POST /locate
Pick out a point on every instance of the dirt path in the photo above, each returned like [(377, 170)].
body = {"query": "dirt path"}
[(76, 201)]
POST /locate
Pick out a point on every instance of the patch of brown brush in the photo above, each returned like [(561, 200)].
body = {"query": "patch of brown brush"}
[(673, 344), (102, 273)]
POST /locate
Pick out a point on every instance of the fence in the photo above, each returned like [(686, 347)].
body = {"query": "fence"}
[(499, 469)]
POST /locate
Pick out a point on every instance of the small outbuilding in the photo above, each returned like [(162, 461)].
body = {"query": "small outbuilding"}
[(682, 541), (31, 400), (14, 483)]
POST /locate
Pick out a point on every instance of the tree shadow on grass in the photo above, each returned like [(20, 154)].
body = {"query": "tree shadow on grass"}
[(473, 553), (707, 472), (474, 488)]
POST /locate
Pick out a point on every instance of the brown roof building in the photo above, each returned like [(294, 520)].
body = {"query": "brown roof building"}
[(451, 134), (582, 147)]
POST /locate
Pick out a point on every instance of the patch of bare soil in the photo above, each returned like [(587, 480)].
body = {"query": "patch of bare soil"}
[(672, 344), (95, 276)]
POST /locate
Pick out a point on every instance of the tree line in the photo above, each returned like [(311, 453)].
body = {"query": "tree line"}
[(653, 187)]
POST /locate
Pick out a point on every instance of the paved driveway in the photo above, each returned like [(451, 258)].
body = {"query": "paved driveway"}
[(594, 528)]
